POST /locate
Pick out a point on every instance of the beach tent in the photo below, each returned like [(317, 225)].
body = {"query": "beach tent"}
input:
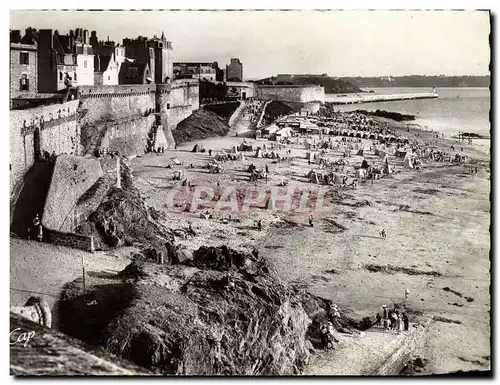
[(197, 148), (284, 133), (361, 173), (258, 153), (310, 156), (338, 178), (307, 145), (407, 161), (270, 130), (234, 150), (364, 164), (361, 152)]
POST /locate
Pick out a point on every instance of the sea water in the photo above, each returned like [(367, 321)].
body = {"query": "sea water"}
[(455, 110)]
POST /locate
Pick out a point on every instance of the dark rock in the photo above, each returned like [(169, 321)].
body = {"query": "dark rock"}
[(223, 313)]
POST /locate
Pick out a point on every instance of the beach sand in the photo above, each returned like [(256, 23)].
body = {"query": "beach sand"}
[(443, 227)]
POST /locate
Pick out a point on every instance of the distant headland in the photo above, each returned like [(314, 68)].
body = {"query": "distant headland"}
[(345, 85)]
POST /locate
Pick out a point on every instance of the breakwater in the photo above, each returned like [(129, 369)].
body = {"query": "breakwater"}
[(369, 98)]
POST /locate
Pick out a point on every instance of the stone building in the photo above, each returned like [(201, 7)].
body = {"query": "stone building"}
[(80, 41), (234, 71), (57, 62), (23, 65), (198, 70), (157, 52), (135, 73), (107, 48)]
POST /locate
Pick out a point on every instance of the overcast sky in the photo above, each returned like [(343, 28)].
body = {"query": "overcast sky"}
[(340, 43)]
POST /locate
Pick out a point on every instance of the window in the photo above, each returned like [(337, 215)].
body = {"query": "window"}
[(85, 64), (109, 77), (75, 76), (60, 75), (168, 106), (25, 83), (24, 58)]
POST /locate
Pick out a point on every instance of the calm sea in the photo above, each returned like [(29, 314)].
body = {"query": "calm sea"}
[(456, 109)]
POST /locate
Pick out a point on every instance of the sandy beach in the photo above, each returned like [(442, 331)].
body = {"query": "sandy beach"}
[(436, 219)]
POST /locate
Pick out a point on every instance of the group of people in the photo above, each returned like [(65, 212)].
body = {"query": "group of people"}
[(392, 320)]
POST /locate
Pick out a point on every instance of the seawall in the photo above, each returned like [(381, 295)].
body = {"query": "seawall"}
[(235, 117), (33, 131), (292, 93), (119, 117), (370, 98)]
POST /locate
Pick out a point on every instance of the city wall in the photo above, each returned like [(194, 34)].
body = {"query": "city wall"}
[(51, 128), (72, 177), (75, 241), (117, 117), (291, 93), (103, 103)]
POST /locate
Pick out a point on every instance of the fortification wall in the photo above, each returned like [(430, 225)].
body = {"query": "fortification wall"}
[(72, 177), (291, 93), (176, 102), (393, 365), (114, 102), (53, 127), (128, 137), (119, 117), (75, 241)]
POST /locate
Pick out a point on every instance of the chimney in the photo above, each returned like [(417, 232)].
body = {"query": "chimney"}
[(98, 63), (15, 36), (45, 41), (86, 39)]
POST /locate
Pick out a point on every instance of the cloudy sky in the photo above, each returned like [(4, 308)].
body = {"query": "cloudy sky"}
[(340, 43)]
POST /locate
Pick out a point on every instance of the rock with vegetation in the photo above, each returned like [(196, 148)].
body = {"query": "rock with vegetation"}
[(223, 312), (123, 218)]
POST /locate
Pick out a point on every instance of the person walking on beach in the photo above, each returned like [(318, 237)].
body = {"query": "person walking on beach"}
[(379, 318), (37, 225), (311, 221), (407, 293), (383, 234), (394, 321), (400, 325), (387, 324), (384, 312), (405, 321)]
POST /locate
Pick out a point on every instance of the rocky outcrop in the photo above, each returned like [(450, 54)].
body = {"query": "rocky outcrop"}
[(221, 312), (201, 124), (123, 218)]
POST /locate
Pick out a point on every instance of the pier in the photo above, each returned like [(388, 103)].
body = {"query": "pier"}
[(369, 98)]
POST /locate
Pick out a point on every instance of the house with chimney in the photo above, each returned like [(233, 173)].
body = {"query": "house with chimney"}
[(108, 58), (106, 70), (57, 62), (156, 52), (79, 41), (23, 64), (135, 73)]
